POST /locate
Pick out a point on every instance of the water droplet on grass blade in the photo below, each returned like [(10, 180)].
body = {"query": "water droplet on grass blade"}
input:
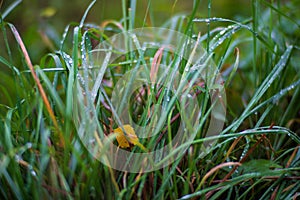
[(168, 99), (207, 21), (18, 158), (33, 173), (222, 32), (29, 145)]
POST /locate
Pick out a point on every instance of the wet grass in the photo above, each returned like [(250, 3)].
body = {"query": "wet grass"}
[(257, 152)]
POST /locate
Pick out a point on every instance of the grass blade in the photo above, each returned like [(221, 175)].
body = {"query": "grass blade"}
[(10, 8)]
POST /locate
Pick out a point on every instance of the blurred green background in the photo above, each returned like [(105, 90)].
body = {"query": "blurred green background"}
[(34, 17)]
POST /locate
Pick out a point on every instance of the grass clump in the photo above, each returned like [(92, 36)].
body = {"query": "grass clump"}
[(256, 156)]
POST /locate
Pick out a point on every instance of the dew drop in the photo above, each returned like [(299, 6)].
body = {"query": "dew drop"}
[(29, 145), (18, 158), (276, 99), (168, 99), (33, 173), (281, 92), (222, 32)]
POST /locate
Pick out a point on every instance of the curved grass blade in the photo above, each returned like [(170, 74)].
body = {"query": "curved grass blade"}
[(85, 13), (235, 67), (262, 89), (231, 30), (10, 8), (275, 98), (37, 81), (52, 90), (8, 64), (234, 181)]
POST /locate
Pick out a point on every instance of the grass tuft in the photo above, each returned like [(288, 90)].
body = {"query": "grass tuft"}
[(47, 107)]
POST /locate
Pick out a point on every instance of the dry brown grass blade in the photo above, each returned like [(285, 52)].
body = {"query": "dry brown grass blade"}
[(233, 145), (113, 22), (292, 156), (243, 159), (263, 137), (273, 196), (216, 168), (37, 81), (155, 64)]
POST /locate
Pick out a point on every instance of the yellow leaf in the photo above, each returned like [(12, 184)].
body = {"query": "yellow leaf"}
[(48, 12), (124, 141)]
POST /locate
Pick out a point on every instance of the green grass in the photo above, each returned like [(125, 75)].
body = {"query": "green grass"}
[(257, 154)]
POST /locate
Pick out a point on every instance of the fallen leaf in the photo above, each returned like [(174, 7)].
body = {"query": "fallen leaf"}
[(124, 140)]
